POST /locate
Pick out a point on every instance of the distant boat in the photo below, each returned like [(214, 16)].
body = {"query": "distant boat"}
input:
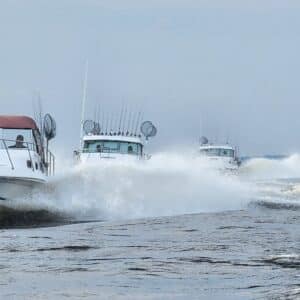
[(224, 155), (25, 160)]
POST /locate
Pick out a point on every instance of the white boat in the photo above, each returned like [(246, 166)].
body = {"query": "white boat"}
[(24, 161), (99, 141), (223, 156), (115, 145)]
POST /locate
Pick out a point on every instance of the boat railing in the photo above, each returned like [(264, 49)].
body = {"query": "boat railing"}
[(9, 145), (50, 158), (48, 165)]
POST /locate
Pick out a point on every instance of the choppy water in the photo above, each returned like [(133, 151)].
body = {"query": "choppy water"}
[(160, 231)]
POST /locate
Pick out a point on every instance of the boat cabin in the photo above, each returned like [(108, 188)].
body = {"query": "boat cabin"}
[(112, 147), (113, 144), (218, 151), (21, 149)]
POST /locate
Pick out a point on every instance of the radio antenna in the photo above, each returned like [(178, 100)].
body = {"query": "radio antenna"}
[(98, 114), (40, 113), (84, 97), (34, 108)]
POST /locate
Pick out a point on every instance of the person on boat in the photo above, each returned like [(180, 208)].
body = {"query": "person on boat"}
[(130, 149), (98, 148), (19, 142)]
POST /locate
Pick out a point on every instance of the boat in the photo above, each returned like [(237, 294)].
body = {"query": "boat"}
[(97, 145), (223, 156), (25, 160), (108, 141)]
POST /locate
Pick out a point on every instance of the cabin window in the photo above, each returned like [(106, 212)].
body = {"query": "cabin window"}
[(130, 148), (227, 152), (218, 152), (112, 147), (9, 136), (211, 152)]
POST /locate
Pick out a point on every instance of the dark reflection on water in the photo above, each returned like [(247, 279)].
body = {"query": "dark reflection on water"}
[(16, 217), (251, 254), (11, 218)]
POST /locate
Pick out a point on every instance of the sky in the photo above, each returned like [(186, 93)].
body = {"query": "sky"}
[(227, 69)]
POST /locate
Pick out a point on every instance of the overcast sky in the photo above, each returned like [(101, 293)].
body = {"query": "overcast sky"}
[(232, 66)]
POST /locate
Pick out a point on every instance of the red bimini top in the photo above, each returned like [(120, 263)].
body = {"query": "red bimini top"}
[(17, 122)]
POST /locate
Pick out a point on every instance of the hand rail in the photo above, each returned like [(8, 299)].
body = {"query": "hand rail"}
[(50, 163)]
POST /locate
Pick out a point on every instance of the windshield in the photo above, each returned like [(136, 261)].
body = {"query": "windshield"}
[(218, 152), (112, 147), (17, 139)]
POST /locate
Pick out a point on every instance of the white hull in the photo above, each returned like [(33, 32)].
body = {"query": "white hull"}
[(14, 187), (108, 157), (223, 164)]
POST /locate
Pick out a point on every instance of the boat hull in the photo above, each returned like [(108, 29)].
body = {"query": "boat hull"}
[(14, 187)]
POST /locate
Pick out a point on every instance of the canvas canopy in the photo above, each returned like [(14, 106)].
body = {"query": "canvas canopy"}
[(17, 122)]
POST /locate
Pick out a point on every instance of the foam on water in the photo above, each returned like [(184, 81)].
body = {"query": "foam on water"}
[(267, 169), (168, 184), (277, 181)]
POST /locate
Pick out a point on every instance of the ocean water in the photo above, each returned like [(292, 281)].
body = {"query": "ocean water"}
[(170, 228)]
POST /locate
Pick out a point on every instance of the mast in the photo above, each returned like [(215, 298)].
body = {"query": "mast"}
[(84, 96)]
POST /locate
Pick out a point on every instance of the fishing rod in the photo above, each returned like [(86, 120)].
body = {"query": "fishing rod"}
[(121, 117)]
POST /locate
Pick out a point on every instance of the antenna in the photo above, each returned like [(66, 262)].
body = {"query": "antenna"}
[(201, 126), (39, 108), (83, 101), (137, 122), (129, 121), (98, 114), (95, 113), (121, 116), (34, 108), (40, 114)]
